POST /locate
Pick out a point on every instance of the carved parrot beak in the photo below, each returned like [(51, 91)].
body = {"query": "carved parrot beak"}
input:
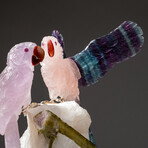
[(38, 55)]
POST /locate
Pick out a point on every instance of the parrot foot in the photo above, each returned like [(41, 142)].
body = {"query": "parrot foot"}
[(58, 100)]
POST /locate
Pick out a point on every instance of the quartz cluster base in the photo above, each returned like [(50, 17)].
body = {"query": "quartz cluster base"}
[(69, 112)]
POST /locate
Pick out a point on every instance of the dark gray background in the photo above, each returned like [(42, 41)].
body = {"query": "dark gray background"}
[(118, 104)]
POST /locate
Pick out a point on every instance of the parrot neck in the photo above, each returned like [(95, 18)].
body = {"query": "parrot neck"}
[(26, 67), (52, 62)]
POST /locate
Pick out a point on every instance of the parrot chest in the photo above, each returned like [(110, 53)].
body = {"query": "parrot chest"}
[(60, 79)]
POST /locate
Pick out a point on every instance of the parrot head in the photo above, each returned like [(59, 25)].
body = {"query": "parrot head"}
[(53, 47), (25, 54)]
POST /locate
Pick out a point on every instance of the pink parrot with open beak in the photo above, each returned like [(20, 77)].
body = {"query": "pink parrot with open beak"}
[(63, 76)]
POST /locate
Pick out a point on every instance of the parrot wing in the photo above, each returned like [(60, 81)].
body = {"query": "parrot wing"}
[(102, 53), (5, 77)]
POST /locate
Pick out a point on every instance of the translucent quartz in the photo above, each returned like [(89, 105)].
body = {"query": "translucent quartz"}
[(60, 75), (70, 112), (12, 134), (15, 90)]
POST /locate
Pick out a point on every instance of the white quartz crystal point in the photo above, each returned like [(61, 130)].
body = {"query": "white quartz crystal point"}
[(70, 112)]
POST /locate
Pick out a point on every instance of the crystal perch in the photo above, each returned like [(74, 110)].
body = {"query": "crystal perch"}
[(69, 112)]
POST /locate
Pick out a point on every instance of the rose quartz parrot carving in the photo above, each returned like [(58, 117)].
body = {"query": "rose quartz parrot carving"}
[(62, 76), (15, 88)]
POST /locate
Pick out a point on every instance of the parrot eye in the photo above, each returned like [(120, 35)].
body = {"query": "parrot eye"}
[(26, 49), (50, 48), (55, 43)]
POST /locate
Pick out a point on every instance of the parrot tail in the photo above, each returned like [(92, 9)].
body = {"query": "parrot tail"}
[(12, 134)]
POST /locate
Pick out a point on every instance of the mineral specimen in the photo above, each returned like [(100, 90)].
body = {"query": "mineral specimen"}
[(69, 112)]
